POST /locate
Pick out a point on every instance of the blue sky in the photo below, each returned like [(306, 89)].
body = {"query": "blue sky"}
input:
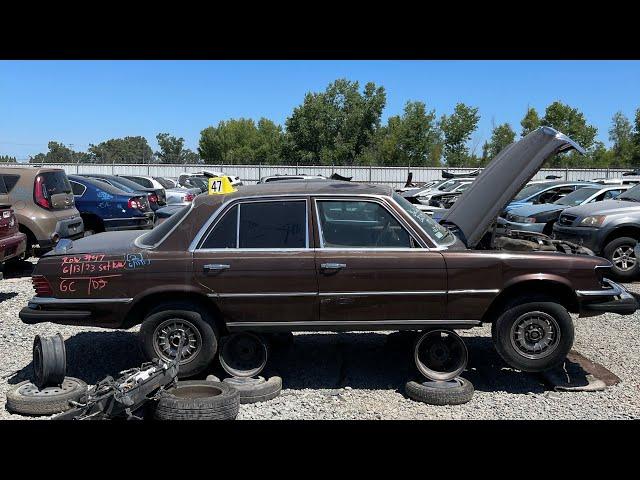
[(83, 102)]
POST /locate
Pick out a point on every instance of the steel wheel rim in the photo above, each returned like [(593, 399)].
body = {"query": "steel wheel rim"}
[(442, 346), (535, 335), (624, 258), (32, 390), (243, 355), (166, 338)]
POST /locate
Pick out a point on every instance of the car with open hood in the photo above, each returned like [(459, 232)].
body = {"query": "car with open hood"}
[(330, 255), (610, 228), (541, 217)]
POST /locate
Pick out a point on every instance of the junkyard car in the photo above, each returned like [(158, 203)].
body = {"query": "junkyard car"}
[(541, 217), (106, 208), (12, 242), (330, 255), (610, 228), (43, 204)]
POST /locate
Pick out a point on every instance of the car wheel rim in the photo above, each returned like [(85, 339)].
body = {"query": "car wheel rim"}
[(624, 258), (535, 335), (166, 339)]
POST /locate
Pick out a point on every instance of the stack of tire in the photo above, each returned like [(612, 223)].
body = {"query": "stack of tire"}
[(51, 391)]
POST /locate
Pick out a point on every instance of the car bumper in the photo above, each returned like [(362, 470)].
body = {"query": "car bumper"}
[(105, 312), (12, 246), (617, 299), (585, 236)]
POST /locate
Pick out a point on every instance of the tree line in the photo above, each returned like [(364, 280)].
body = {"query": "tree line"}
[(342, 126)]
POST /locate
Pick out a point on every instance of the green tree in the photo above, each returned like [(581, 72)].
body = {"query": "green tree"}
[(59, 153), (335, 126), (621, 136), (457, 129), (530, 122), (411, 139), (572, 123), (240, 141), (501, 136), (122, 150), (7, 159), (636, 139), (172, 150)]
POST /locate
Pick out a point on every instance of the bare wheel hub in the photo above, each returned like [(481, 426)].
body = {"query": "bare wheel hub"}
[(166, 339), (535, 335)]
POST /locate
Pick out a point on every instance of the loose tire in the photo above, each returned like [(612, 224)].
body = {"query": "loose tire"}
[(25, 398), (160, 333), (621, 255), (533, 335), (451, 392), (198, 400), (254, 390)]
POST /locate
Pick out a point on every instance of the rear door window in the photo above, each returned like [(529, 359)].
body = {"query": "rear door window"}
[(273, 224)]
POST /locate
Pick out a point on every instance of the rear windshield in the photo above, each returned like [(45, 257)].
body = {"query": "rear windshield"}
[(530, 190), (153, 237), (56, 182), (577, 197), (163, 182)]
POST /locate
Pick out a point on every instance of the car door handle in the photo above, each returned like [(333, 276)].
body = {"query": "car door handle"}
[(216, 267), (333, 266)]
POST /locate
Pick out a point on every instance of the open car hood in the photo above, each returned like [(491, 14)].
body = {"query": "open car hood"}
[(479, 205)]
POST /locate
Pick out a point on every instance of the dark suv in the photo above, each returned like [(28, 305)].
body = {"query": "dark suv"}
[(610, 228)]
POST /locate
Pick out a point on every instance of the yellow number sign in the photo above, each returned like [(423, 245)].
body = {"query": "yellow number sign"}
[(220, 186)]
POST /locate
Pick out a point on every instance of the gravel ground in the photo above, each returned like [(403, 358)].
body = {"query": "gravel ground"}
[(354, 375)]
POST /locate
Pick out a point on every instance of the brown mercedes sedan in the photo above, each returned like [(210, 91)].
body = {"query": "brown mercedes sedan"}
[(330, 255)]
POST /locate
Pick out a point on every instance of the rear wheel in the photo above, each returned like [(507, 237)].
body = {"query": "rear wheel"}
[(620, 253), (161, 330), (533, 335)]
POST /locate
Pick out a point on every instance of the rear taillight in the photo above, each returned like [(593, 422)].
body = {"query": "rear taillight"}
[(40, 193), (41, 286), (136, 203), (189, 197), (153, 198)]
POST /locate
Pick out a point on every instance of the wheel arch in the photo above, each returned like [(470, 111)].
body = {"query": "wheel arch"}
[(557, 289), (631, 231), (156, 296)]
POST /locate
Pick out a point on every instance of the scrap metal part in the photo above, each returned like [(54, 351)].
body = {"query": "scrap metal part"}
[(125, 395)]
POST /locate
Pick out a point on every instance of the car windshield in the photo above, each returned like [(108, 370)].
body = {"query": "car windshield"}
[(631, 195), (164, 182), (578, 197), (449, 185), (530, 191), (437, 232)]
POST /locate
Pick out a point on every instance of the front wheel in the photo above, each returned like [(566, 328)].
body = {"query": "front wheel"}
[(533, 336), (621, 255), (161, 331)]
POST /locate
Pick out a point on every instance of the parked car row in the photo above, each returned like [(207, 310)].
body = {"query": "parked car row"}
[(41, 206)]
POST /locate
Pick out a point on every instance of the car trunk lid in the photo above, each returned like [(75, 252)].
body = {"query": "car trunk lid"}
[(477, 208)]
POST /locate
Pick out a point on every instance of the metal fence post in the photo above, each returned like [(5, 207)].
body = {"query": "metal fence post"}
[(370, 177), (566, 174)]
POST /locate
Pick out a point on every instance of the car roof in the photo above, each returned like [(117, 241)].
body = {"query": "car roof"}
[(293, 188)]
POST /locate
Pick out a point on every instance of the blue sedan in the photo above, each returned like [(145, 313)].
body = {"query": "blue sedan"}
[(106, 208)]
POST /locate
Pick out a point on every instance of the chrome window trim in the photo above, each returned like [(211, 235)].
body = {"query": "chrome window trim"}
[(155, 245), (380, 200), (203, 229), (78, 183), (227, 205)]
